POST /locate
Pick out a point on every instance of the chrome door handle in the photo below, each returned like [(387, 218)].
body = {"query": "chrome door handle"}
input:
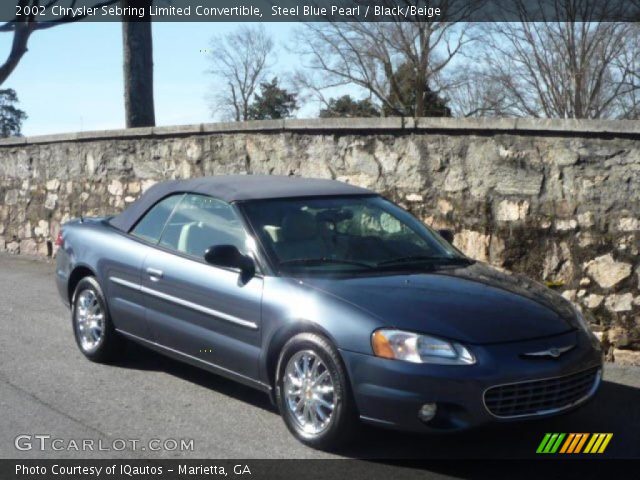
[(154, 273)]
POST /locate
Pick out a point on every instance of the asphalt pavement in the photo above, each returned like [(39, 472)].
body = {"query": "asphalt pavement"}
[(47, 387)]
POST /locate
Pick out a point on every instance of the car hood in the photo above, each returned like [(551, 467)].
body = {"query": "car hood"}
[(474, 304)]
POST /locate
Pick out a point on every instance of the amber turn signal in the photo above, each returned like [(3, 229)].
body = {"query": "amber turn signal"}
[(381, 345)]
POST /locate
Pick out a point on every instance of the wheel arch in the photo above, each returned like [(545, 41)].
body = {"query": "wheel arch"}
[(280, 338), (78, 273)]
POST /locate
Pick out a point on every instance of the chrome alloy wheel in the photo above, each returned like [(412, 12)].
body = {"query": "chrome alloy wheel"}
[(89, 319), (308, 389)]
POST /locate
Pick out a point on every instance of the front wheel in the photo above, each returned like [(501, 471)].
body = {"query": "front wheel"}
[(313, 392)]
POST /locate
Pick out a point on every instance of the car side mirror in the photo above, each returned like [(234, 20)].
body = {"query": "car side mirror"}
[(446, 234), (229, 256)]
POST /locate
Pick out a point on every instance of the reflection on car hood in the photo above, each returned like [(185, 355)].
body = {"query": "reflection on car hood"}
[(473, 304)]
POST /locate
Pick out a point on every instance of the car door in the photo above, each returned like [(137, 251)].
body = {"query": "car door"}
[(123, 268), (199, 310)]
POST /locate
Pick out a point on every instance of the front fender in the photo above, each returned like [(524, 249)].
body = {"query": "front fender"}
[(290, 307)]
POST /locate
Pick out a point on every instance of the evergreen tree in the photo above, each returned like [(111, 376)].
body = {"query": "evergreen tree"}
[(11, 117), (272, 102), (346, 106), (403, 99)]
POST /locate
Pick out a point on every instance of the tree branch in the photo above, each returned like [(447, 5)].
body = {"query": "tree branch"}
[(22, 29)]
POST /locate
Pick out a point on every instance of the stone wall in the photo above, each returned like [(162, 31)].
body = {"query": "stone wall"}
[(556, 200)]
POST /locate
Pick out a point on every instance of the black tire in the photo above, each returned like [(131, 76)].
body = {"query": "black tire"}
[(343, 421), (110, 345)]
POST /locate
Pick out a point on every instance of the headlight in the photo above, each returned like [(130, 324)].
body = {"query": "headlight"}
[(415, 348)]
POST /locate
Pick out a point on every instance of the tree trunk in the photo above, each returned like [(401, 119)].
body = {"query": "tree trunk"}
[(138, 66), (418, 111)]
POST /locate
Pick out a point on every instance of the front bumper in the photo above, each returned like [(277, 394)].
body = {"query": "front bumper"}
[(390, 392)]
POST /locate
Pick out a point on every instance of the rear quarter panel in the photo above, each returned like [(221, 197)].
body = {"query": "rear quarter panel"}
[(108, 253)]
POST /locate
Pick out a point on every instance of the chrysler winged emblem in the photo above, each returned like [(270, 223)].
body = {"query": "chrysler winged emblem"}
[(553, 352)]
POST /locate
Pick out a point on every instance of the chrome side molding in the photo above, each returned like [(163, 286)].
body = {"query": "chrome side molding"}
[(185, 303)]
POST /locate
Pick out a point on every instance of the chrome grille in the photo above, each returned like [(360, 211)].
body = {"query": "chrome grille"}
[(538, 397)]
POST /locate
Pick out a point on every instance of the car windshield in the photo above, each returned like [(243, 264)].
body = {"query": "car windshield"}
[(345, 234)]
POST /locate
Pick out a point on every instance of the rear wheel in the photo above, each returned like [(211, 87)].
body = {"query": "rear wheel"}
[(313, 392), (94, 332)]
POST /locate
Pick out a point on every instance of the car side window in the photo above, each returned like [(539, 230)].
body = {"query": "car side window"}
[(200, 222), (153, 222)]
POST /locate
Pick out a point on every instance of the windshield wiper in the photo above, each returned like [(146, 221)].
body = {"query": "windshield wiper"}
[(323, 260), (423, 258)]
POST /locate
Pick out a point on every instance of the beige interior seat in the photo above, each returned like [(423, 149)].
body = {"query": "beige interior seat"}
[(274, 232), (185, 233), (300, 237)]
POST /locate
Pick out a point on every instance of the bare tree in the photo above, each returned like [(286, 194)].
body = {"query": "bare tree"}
[(571, 65), (369, 55), (23, 26), (472, 95), (628, 106), (240, 61)]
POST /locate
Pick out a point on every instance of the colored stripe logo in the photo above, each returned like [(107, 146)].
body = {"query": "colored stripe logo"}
[(574, 443)]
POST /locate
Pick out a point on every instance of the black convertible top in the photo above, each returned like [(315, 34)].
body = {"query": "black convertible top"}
[(232, 188)]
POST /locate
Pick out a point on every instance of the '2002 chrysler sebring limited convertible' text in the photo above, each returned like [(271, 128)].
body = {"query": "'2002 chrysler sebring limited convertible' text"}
[(330, 298)]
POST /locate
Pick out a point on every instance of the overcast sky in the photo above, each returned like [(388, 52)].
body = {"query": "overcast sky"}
[(71, 77)]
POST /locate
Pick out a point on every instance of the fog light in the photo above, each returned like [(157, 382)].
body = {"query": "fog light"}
[(427, 412)]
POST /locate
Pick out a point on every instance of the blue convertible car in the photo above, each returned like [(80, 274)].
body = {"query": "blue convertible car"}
[(330, 298)]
